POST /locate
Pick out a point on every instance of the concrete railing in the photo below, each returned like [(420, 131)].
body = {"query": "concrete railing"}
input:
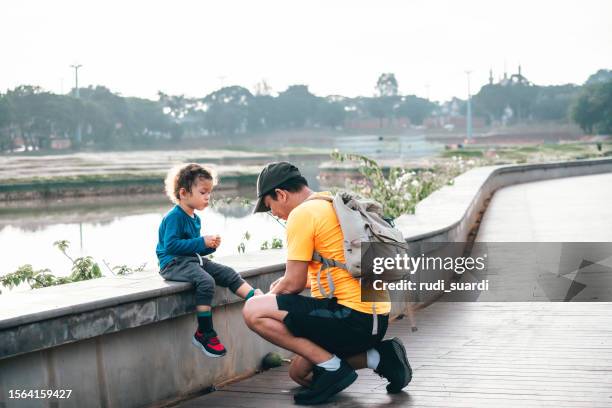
[(125, 341)]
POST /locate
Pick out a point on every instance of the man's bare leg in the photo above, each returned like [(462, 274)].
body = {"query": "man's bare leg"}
[(262, 315), (300, 369)]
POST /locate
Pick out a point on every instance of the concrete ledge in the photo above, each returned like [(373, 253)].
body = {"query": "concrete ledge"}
[(46, 303), (47, 317)]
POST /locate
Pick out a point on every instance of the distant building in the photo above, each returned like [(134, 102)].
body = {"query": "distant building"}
[(515, 79), (376, 123), (61, 144)]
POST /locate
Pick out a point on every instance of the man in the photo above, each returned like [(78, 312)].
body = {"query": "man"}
[(331, 337)]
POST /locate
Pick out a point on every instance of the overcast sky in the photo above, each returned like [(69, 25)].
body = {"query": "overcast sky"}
[(335, 47)]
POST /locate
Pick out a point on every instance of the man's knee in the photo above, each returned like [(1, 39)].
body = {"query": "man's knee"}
[(248, 312), (257, 307)]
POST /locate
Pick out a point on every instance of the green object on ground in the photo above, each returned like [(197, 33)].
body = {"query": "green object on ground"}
[(272, 360)]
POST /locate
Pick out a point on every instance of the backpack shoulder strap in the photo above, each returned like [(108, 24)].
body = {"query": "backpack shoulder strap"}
[(316, 197), (326, 263)]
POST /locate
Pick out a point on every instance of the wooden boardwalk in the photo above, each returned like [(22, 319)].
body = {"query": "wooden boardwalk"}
[(473, 355)]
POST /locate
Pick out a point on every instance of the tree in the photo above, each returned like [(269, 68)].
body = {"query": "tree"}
[(378, 107), (603, 75), (492, 100), (262, 88), (593, 108), (114, 110), (386, 100), (177, 107), (38, 115), (297, 106), (148, 119), (330, 112), (227, 109), (553, 102), (264, 113), (6, 118), (386, 85), (414, 108)]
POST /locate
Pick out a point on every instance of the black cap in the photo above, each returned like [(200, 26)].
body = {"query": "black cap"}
[(272, 176)]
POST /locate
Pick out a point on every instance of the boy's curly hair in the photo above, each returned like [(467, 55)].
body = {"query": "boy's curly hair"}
[(185, 176)]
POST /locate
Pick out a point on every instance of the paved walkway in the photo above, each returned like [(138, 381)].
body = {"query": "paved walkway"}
[(573, 209), (496, 354)]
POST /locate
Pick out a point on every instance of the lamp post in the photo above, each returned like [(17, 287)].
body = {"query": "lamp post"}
[(76, 95), (469, 109)]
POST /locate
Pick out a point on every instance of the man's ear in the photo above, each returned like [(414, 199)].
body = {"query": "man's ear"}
[(281, 195)]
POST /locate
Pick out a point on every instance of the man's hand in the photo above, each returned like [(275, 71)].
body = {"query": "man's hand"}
[(273, 284), (294, 280), (212, 241)]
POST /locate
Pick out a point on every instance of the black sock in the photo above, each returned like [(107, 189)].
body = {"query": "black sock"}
[(205, 323)]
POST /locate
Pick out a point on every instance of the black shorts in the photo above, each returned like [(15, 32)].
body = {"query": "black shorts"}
[(336, 328)]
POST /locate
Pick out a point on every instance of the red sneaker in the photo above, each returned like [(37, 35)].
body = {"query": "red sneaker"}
[(210, 345)]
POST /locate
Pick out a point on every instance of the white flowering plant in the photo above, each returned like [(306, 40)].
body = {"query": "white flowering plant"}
[(399, 189)]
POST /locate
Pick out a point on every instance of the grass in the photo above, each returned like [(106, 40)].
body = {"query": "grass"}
[(84, 179), (465, 153), (93, 180), (533, 154)]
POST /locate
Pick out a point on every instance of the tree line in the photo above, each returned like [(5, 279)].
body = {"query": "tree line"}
[(588, 105), (106, 120)]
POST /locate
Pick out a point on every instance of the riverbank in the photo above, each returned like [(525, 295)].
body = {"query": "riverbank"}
[(128, 173), (107, 185)]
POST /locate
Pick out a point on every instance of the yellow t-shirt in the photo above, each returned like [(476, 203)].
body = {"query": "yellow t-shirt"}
[(314, 225)]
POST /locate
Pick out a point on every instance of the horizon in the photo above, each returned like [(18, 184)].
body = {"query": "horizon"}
[(275, 93), (335, 49)]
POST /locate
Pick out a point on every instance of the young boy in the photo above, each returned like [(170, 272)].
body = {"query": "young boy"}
[(181, 250)]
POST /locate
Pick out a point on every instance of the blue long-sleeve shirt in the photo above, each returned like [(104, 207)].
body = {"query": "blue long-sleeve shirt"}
[(179, 234)]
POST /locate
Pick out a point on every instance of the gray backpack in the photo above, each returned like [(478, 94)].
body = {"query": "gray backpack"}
[(361, 220)]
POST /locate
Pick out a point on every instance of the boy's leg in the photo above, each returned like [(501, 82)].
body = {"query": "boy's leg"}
[(227, 277), (188, 269)]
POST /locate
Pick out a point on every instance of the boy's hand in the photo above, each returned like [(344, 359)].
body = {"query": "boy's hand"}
[(212, 241)]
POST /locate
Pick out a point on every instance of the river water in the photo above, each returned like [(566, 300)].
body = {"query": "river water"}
[(118, 231)]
